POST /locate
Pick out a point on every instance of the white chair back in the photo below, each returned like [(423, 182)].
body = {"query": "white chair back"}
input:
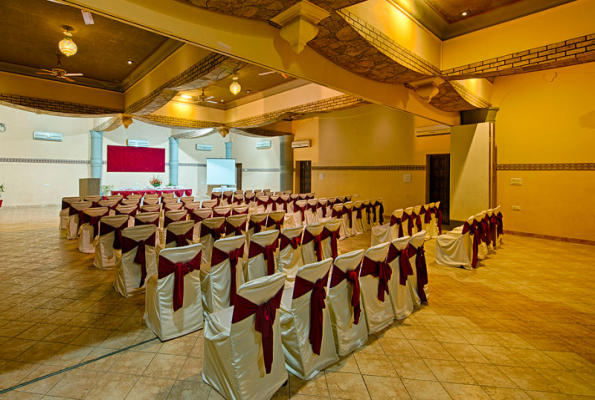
[(262, 255), (129, 278), (378, 311)]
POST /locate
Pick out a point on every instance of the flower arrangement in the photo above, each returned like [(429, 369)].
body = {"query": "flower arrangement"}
[(156, 181), (106, 189)]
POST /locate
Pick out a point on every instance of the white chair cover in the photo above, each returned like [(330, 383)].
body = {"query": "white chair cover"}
[(209, 203), (128, 279), (289, 221), (174, 216), (366, 215), (338, 213), (417, 242), (290, 252), (454, 249), (312, 211), (211, 230), (117, 197), (227, 198), (233, 351), (379, 313), (347, 218), (257, 264), (301, 301), (198, 215), (401, 296), (111, 204), (236, 225), (87, 231), (64, 212), (191, 206), (348, 334), (250, 199), (276, 221), (482, 248), (322, 209), (299, 212), (72, 228), (151, 208), (263, 204), (409, 227), (184, 230), (173, 206), (240, 209), (222, 211), (163, 195), (332, 227), (187, 199), (159, 315), (358, 217), (169, 200), (93, 199), (130, 211), (381, 234), (109, 227), (149, 218), (311, 241), (216, 280), (257, 223)]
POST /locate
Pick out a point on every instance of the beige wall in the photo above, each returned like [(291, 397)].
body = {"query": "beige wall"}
[(469, 170), (368, 136), (544, 118)]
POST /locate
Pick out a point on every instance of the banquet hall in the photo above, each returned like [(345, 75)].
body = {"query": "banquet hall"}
[(305, 199)]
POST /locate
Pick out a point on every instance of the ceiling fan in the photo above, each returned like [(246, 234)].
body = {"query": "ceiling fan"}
[(204, 99), (274, 72), (59, 72)]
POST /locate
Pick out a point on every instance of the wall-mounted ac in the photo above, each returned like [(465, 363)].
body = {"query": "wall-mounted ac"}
[(204, 147), (434, 130), (263, 145), (300, 144), (52, 137), (137, 143)]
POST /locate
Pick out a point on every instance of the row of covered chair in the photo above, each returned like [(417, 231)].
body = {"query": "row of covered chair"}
[(465, 245), (408, 221)]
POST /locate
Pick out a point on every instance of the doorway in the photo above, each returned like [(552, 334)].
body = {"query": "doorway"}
[(239, 176), (439, 183), (305, 176)]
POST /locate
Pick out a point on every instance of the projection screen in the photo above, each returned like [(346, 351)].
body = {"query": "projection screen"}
[(221, 171)]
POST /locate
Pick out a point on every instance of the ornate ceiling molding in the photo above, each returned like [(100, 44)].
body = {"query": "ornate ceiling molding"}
[(299, 23), (55, 107)]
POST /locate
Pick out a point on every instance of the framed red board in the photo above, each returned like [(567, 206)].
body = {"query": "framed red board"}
[(135, 159)]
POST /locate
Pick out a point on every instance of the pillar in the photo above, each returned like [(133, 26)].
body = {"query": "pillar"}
[(285, 162), (228, 150), (173, 160), (96, 151)]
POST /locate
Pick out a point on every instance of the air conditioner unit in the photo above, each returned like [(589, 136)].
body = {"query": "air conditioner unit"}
[(137, 143), (53, 137), (300, 144), (263, 145), (204, 147), (434, 130)]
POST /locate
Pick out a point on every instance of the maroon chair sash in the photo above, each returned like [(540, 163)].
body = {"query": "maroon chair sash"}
[(317, 304), (301, 209), (73, 211), (226, 214), (417, 221), (227, 197), (181, 239), (374, 211), (215, 197), (404, 265), (268, 253), (422, 272), (236, 230), (352, 278), (129, 244), (257, 225), (196, 218), (293, 242), (167, 220), (358, 212), (65, 205), (436, 211), (138, 222), (105, 229), (131, 213), (426, 213), (179, 269), (93, 221), (334, 237), (276, 224), (218, 256), (282, 202), (487, 237), (216, 233), (380, 270), (317, 239), (348, 212), (397, 221), (336, 213), (474, 231), (409, 217), (500, 218), (380, 212), (264, 321)]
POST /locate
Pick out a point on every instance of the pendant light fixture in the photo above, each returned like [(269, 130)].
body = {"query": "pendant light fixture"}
[(67, 45), (235, 86)]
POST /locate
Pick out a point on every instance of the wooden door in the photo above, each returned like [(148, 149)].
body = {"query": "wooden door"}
[(305, 176), (439, 185)]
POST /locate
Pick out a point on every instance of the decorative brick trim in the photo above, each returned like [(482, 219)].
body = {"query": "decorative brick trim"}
[(573, 51), (547, 167), (388, 46), (260, 132), (550, 237), (55, 107), (43, 161), (469, 97), (369, 168), (174, 122)]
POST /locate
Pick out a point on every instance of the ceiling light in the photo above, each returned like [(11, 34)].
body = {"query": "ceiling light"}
[(248, 91), (235, 86), (186, 96), (465, 13), (67, 45), (130, 62), (223, 101)]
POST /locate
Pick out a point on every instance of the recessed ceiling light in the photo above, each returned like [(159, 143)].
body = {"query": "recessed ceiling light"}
[(186, 96), (130, 62), (223, 101), (465, 13), (248, 91)]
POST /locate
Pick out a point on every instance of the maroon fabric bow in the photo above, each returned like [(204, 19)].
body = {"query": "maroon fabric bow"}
[(282, 202), (179, 269), (309, 237), (336, 213), (139, 222), (225, 214), (417, 220), (105, 229), (436, 211), (218, 256), (92, 221), (302, 210), (214, 196), (268, 253), (167, 220), (257, 225), (277, 224), (422, 272), (426, 213), (197, 218), (293, 242), (500, 218), (216, 232), (232, 230), (227, 197), (129, 244), (380, 270), (474, 231), (180, 239), (352, 278), (358, 212), (130, 213), (380, 212), (317, 304), (487, 237), (348, 212), (404, 265), (334, 237), (397, 221), (263, 322)]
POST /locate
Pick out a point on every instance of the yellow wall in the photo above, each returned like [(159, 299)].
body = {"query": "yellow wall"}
[(368, 136), (547, 117), (550, 26)]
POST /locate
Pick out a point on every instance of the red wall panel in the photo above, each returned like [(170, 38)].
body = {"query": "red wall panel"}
[(135, 159)]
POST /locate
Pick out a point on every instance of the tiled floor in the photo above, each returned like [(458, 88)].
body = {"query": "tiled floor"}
[(520, 327)]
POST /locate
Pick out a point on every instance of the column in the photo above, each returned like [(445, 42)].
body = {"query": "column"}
[(173, 160), (96, 150), (228, 149), (285, 162)]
